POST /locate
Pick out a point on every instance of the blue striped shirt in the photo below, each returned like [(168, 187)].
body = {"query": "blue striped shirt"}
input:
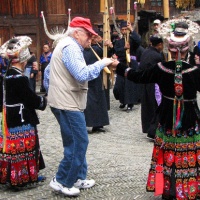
[(46, 78), (73, 59)]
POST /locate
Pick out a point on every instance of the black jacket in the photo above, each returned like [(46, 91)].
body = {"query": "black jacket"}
[(19, 93)]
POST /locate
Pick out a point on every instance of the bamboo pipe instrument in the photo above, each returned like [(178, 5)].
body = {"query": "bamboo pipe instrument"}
[(112, 13), (99, 45), (128, 59), (135, 26), (106, 36), (105, 68)]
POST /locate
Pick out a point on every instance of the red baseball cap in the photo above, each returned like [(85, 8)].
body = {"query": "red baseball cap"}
[(83, 23)]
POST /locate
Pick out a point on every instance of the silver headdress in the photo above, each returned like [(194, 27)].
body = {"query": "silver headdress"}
[(56, 34), (19, 51), (170, 33)]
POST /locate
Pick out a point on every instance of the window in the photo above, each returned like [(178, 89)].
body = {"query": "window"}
[(172, 3), (156, 3)]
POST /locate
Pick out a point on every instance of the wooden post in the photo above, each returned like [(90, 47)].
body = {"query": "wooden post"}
[(128, 10), (166, 8), (106, 36)]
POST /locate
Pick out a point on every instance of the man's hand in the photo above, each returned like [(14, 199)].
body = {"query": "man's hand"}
[(114, 56), (127, 46), (114, 63), (107, 61), (108, 43), (129, 27)]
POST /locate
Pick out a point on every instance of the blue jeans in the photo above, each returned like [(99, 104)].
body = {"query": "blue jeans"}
[(75, 141)]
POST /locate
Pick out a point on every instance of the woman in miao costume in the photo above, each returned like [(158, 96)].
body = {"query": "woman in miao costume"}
[(20, 156), (175, 163)]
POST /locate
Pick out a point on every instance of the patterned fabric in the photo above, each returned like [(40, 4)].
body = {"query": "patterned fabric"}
[(178, 109), (170, 71), (181, 153), (20, 164), (20, 156)]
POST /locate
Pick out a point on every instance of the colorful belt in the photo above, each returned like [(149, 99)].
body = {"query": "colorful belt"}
[(185, 100)]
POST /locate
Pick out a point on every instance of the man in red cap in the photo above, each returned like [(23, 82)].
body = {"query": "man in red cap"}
[(67, 95)]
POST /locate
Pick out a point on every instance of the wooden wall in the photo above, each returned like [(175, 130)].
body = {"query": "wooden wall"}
[(22, 17)]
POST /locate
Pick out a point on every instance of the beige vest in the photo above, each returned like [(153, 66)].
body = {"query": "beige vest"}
[(65, 92)]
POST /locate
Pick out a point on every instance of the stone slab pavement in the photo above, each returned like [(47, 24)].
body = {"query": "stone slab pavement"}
[(118, 160)]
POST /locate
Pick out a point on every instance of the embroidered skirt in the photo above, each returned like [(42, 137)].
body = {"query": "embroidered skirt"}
[(20, 164), (175, 164)]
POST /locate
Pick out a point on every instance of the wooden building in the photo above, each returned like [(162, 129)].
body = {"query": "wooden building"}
[(22, 17)]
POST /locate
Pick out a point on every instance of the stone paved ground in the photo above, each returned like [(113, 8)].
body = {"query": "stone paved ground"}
[(118, 159)]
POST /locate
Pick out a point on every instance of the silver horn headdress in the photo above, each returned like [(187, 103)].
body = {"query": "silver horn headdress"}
[(56, 34), (112, 12), (69, 16)]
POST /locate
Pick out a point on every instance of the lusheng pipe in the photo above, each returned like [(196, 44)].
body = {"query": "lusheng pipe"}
[(128, 59), (136, 16), (105, 68)]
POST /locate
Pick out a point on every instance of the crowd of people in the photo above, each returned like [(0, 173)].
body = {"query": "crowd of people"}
[(165, 83)]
